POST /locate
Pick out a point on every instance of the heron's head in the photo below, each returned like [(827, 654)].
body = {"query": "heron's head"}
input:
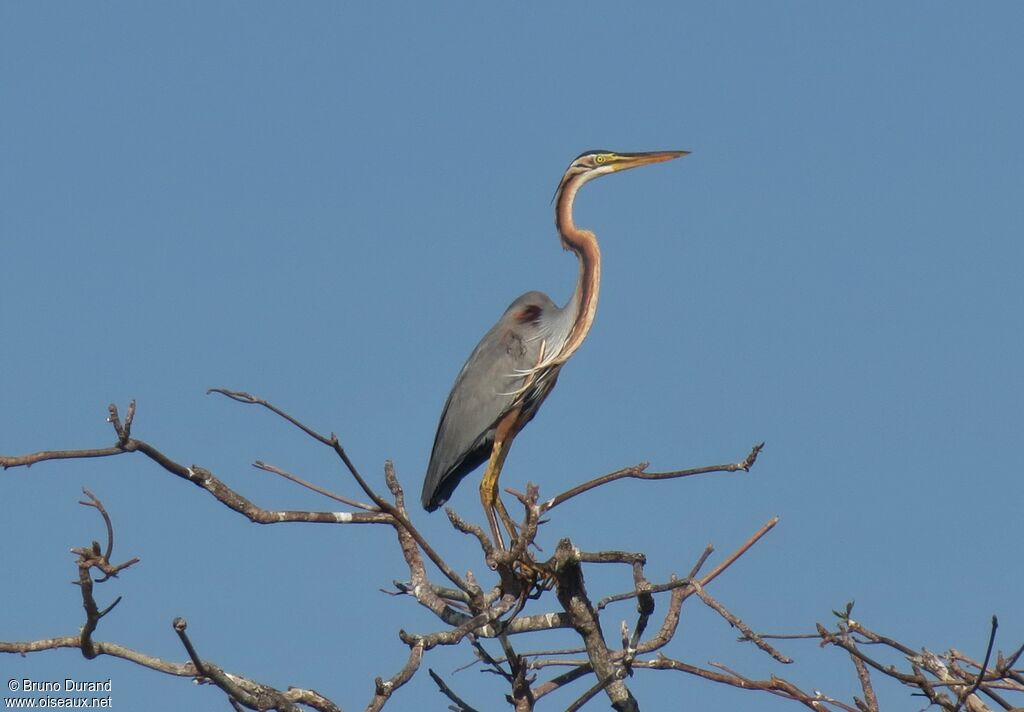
[(593, 164)]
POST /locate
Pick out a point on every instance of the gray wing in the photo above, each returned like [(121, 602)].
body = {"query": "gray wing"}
[(484, 390)]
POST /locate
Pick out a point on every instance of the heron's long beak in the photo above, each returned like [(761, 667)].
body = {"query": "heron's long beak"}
[(632, 160)]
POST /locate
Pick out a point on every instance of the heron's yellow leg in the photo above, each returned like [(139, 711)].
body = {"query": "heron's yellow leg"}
[(489, 495)]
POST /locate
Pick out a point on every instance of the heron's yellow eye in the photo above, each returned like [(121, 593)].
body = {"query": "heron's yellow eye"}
[(600, 158)]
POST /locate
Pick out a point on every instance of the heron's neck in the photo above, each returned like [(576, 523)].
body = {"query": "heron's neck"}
[(583, 304)]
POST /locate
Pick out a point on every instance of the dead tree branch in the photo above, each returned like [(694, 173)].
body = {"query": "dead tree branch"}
[(515, 601), (639, 472)]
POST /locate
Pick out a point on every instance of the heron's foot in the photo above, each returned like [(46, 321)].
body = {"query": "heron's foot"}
[(538, 577)]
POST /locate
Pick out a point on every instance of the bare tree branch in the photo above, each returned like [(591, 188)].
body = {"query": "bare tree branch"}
[(240, 690), (499, 610), (459, 704), (748, 633), (639, 472), (260, 465)]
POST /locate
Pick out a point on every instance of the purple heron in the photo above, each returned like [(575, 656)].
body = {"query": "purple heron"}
[(515, 365)]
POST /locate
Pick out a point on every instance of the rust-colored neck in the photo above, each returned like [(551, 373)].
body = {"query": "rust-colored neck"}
[(583, 305)]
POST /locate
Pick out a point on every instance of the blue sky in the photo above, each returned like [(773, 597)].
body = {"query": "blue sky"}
[(328, 205)]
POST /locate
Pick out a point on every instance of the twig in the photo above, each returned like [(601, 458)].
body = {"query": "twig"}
[(774, 685), (249, 693), (331, 441), (583, 699), (733, 620), (202, 478), (562, 680), (460, 704), (494, 664), (249, 399), (8, 461), (260, 465), (639, 472), (383, 689), (94, 502), (984, 663), (729, 560), (396, 513), (469, 528), (90, 557)]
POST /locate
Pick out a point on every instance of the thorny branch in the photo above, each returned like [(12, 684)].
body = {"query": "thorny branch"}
[(470, 612)]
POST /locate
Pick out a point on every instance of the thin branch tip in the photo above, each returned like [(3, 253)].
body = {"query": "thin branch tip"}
[(752, 457)]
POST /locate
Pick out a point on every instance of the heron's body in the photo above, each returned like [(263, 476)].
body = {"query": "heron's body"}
[(515, 366), (501, 361)]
